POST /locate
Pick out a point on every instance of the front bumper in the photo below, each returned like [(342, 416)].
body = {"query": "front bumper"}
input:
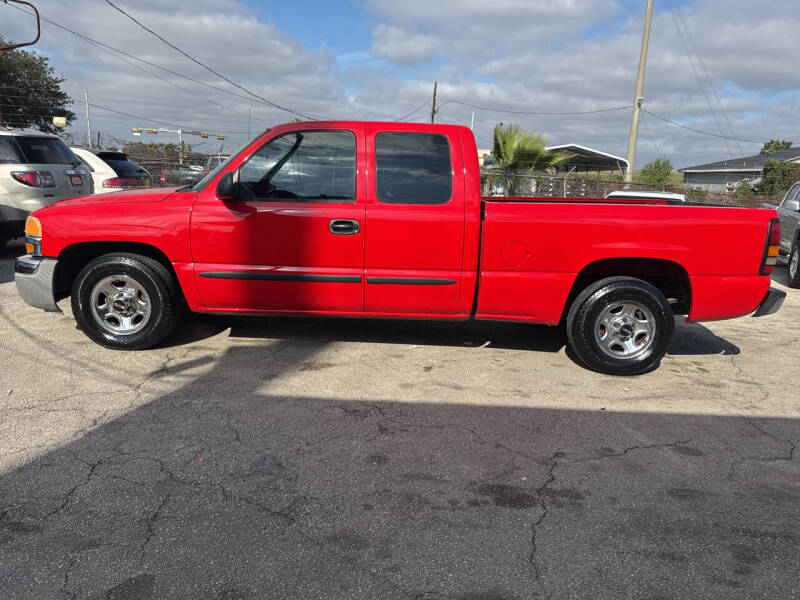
[(771, 303), (34, 278)]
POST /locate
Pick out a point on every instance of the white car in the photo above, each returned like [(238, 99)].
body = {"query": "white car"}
[(112, 171), (644, 195)]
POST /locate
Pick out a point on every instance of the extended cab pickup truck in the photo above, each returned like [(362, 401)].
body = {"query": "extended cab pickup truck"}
[(386, 220)]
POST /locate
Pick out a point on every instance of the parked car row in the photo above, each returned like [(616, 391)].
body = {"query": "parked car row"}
[(38, 168)]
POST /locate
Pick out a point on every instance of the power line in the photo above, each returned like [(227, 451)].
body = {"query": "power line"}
[(678, 27), (700, 131), (144, 118), (652, 138), (703, 66), (141, 60), (205, 66), (416, 110), (528, 112)]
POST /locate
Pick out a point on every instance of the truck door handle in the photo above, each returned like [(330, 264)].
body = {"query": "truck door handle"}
[(344, 226)]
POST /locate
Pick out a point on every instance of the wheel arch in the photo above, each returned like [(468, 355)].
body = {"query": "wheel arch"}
[(76, 256), (669, 277)]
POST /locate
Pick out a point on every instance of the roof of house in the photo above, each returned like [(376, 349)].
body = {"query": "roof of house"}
[(589, 159), (748, 163)]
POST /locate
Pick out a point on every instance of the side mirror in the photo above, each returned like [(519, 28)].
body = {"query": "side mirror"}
[(226, 188), (793, 205)]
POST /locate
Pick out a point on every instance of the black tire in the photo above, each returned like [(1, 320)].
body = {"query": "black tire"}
[(163, 300), (595, 302), (794, 255)]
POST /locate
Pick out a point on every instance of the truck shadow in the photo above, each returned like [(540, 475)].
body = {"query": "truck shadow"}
[(691, 339)]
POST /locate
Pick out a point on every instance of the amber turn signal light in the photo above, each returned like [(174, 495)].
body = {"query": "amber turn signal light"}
[(33, 227), (33, 235)]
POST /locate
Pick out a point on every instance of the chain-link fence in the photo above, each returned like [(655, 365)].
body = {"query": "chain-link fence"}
[(545, 185)]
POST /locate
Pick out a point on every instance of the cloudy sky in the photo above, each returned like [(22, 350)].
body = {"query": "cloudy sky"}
[(378, 59)]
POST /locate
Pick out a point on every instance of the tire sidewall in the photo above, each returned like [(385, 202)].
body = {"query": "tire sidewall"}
[(161, 302), (793, 281), (581, 327)]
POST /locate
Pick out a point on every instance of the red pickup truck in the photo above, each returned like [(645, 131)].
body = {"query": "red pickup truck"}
[(386, 220)]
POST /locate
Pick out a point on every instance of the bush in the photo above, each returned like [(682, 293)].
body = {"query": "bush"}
[(657, 173), (778, 176), (697, 195)]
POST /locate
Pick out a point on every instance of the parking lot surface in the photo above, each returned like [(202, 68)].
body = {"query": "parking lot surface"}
[(288, 458)]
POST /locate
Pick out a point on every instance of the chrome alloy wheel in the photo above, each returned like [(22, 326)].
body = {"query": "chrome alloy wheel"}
[(120, 305), (625, 330), (793, 263)]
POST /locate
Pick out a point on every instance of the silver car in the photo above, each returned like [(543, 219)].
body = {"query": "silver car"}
[(789, 214), (35, 169)]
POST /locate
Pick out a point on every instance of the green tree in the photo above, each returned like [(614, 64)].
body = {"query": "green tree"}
[(157, 151), (30, 93), (517, 152), (774, 146), (658, 172), (778, 176)]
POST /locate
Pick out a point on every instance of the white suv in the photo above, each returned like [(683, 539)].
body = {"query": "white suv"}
[(35, 169)]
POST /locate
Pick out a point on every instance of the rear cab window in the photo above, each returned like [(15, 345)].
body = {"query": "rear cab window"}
[(413, 168)]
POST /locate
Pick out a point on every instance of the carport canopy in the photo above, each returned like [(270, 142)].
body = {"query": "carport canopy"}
[(589, 160)]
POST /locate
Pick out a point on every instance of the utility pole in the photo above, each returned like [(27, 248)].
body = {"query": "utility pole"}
[(179, 131), (472, 122), (88, 121), (638, 99), (433, 106)]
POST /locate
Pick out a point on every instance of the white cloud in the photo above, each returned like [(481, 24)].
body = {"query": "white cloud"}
[(403, 47), (523, 55)]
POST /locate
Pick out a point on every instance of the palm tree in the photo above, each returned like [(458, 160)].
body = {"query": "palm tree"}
[(518, 152)]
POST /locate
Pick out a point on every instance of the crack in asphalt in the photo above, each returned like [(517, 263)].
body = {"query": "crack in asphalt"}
[(540, 491), (150, 522), (63, 588), (791, 445), (75, 488), (633, 449)]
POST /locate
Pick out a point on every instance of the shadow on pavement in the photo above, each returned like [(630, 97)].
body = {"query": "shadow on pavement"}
[(781, 275), (8, 253), (690, 338), (226, 489)]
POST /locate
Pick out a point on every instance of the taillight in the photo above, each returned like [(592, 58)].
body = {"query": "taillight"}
[(123, 182), (772, 247), (35, 178)]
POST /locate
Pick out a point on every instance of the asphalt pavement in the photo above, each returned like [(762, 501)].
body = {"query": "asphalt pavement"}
[(323, 458)]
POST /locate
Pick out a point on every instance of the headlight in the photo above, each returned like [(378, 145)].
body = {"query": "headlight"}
[(33, 236)]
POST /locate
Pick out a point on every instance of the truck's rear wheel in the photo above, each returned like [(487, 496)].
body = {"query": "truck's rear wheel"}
[(125, 301), (620, 326)]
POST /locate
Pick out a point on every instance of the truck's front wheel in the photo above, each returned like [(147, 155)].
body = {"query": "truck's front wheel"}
[(620, 326), (125, 301)]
